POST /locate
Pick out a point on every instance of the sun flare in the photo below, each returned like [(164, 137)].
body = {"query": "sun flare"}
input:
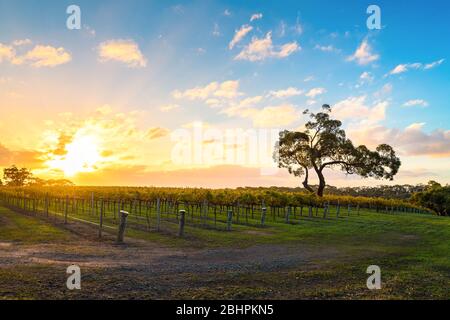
[(82, 155)]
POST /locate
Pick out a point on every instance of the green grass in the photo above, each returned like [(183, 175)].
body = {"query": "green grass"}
[(25, 229), (413, 252)]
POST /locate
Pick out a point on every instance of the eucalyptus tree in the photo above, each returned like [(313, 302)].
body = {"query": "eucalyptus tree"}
[(324, 144)]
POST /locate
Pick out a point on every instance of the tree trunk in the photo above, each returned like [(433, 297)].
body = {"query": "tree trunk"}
[(321, 182), (305, 182)]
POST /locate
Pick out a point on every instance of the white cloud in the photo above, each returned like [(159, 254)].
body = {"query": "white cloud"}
[(239, 35), (227, 89), (366, 77), (216, 30), (268, 117), (260, 49), (125, 51), (356, 108), (433, 64), (286, 93), (256, 16), (315, 92), (363, 54), (401, 68), (411, 141), (416, 102), (328, 48), (21, 42), (227, 13)]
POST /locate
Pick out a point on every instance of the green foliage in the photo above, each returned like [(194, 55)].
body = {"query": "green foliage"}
[(226, 197), (324, 145), (435, 197), (16, 177)]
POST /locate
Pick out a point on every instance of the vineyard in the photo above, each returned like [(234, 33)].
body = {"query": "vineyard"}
[(162, 209)]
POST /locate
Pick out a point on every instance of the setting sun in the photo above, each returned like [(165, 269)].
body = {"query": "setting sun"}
[(82, 156)]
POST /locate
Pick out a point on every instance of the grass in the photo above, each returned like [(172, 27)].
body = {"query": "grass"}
[(413, 252), (20, 228)]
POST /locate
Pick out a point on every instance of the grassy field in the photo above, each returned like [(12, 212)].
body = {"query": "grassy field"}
[(314, 259)]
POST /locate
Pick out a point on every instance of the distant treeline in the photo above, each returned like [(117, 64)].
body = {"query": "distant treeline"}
[(404, 191)]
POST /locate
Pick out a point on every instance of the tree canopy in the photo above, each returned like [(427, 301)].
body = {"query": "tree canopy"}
[(324, 144), (16, 177)]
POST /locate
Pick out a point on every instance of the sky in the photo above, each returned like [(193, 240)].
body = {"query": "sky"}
[(193, 93)]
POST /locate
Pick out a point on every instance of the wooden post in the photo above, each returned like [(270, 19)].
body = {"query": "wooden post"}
[(310, 213), (92, 203), (338, 209), (66, 209), (288, 213), (229, 219), (263, 215), (325, 210), (101, 219), (182, 222), (158, 214), (122, 225)]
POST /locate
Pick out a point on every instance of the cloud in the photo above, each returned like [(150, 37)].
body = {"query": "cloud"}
[(227, 89), (21, 158), (355, 108), (7, 53), (45, 56), (239, 35), (363, 54), (315, 92), (261, 49), (411, 141), (434, 64), (328, 48), (156, 132), (21, 42), (39, 56), (402, 68), (366, 77), (125, 51), (267, 117), (216, 30), (416, 102), (169, 107), (227, 13), (256, 16), (289, 92)]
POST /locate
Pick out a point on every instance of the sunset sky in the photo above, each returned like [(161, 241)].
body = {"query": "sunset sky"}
[(104, 105)]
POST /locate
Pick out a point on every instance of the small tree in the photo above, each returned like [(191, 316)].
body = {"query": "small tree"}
[(324, 145), (16, 177)]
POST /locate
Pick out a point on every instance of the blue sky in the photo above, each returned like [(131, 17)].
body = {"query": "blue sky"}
[(186, 45)]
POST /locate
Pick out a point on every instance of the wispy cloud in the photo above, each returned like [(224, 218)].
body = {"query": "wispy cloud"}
[(239, 35), (227, 89), (315, 92), (402, 68), (286, 93), (262, 48), (363, 54), (416, 102), (256, 16)]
